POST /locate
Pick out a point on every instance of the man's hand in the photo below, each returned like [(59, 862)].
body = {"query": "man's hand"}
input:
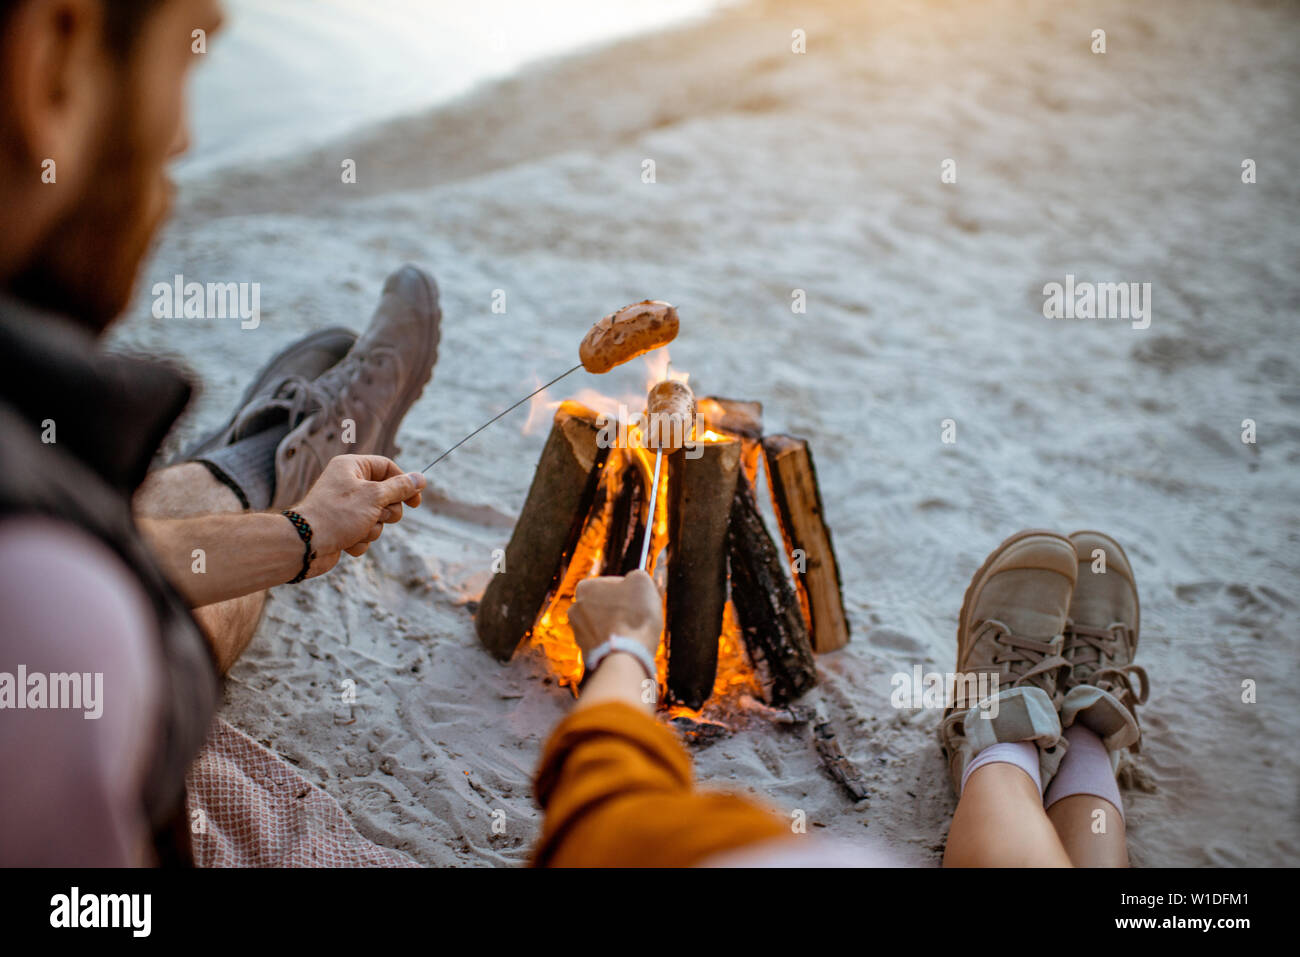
[(631, 607), (352, 501)]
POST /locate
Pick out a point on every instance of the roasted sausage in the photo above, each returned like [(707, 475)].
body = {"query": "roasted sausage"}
[(632, 331), (671, 416)]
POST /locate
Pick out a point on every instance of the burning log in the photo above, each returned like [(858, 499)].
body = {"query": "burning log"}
[(586, 514), (561, 496), (699, 509), (767, 607), (627, 525), (797, 500), (736, 416), (741, 419)]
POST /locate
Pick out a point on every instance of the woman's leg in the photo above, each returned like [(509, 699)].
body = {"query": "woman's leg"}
[(1009, 637), (1102, 689), (1084, 805), (1076, 818), (1000, 821)]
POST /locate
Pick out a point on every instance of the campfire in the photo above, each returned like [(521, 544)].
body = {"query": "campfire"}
[(743, 616)]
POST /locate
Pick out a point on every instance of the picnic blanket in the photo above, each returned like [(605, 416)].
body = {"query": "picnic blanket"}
[(248, 807)]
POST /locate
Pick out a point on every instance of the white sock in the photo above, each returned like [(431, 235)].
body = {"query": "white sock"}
[(1085, 769), (1022, 754)]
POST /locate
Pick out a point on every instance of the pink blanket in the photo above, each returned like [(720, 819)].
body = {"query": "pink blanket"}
[(248, 807)]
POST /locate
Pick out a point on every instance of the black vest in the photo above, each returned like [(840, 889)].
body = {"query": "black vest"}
[(109, 415)]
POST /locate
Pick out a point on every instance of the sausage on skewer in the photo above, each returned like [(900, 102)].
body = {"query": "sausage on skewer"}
[(632, 331), (670, 418)]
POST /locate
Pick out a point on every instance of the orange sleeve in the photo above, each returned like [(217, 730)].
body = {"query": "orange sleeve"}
[(617, 791)]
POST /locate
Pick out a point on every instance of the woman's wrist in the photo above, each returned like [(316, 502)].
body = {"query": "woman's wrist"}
[(620, 676), (639, 650)]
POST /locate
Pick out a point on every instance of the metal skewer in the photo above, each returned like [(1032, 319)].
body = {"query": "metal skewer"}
[(654, 488), (499, 415), (650, 522)]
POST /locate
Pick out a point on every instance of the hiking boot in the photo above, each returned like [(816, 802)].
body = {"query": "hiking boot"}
[(306, 359), (1009, 641), (1102, 687), (362, 399), (241, 453)]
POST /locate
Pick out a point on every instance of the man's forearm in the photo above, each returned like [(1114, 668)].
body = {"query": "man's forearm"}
[(213, 558)]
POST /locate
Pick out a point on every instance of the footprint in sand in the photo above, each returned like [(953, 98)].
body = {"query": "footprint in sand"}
[(891, 640)]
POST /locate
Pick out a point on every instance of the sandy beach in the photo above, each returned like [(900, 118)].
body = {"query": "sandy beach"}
[(775, 172)]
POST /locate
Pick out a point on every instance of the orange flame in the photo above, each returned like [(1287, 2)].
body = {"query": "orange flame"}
[(553, 636), (659, 367)]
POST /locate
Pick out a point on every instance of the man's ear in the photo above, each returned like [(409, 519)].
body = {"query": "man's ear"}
[(54, 80)]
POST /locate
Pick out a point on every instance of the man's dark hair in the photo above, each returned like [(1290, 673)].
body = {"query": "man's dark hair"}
[(123, 20)]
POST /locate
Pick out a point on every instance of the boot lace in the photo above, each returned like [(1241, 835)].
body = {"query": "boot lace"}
[(1091, 647), (296, 397), (1033, 661)]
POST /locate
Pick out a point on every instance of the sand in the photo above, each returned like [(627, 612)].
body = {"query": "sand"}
[(821, 172)]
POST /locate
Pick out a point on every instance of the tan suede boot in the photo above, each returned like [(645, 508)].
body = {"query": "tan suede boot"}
[(1102, 687), (241, 452), (362, 399), (1010, 631), (304, 359)]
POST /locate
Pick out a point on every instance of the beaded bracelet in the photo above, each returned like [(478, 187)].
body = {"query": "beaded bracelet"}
[(304, 532)]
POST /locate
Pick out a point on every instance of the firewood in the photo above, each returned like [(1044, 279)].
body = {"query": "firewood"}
[(843, 771), (627, 524), (797, 501), (563, 490), (739, 418), (699, 509), (734, 416), (767, 606)]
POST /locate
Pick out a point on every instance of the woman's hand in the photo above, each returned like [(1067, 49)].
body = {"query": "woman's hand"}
[(630, 607)]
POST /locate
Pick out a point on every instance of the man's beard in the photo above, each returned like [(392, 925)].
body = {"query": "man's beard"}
[(85, 266)]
